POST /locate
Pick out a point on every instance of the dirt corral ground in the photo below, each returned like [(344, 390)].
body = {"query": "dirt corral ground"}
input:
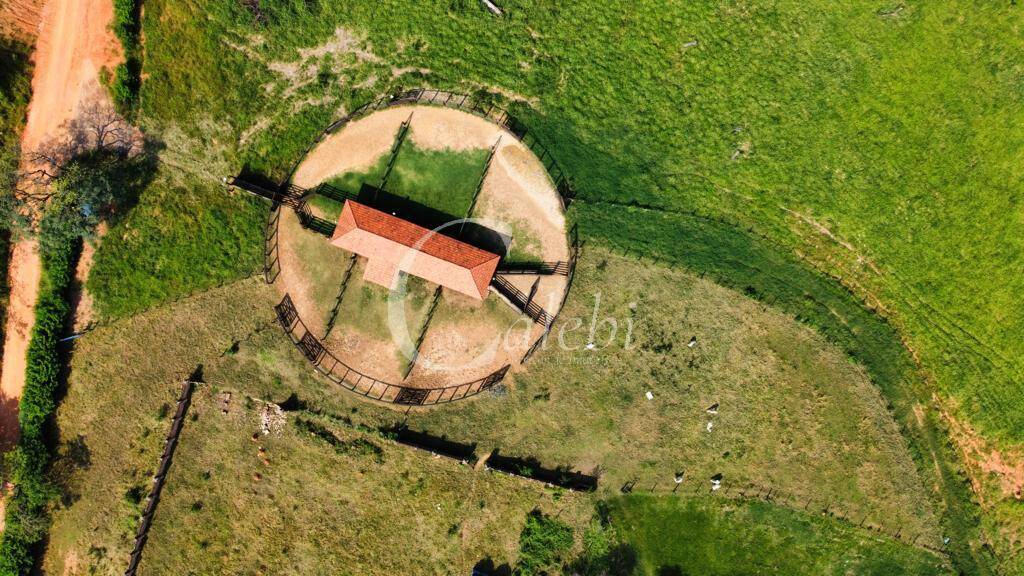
[(467, 339)]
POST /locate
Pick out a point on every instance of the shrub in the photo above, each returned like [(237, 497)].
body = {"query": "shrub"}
[(127, 76), (26, 518), (543, 544)]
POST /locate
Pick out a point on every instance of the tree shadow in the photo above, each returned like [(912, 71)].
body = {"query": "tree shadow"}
[(72, 456), (8, 422), (101, 138), (486, 567)]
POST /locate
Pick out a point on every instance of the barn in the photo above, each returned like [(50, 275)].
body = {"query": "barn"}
[(392, 245)]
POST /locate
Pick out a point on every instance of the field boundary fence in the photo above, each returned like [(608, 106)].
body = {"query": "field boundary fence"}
[(525, 467), (337, 371), (171, 443), (750, 491)]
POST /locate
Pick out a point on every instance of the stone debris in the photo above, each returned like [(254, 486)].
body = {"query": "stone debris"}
[(491, 7), (272, 419)]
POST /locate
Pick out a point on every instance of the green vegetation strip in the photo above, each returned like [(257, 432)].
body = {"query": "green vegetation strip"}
[(669, 536), (15, 90), (127, 80), (27, 517)]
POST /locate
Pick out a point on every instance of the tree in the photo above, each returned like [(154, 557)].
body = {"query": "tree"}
[(79, 197), (64, 187), (543, 544)]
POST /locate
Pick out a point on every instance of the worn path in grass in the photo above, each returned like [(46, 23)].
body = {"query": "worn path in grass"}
[(75, 42)]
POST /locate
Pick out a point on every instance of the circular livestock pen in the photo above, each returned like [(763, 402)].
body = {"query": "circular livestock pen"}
[(422, 252)]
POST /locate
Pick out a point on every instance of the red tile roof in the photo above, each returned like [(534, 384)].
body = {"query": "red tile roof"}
[(387, 240)]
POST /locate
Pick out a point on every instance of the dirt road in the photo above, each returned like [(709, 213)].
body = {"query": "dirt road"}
[(74, 43)]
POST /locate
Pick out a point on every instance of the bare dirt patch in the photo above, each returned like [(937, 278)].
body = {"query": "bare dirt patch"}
[(75, 43), (24, 273), (469, 339), (985, 463), (19, 19), (352, 149), (82, 312)]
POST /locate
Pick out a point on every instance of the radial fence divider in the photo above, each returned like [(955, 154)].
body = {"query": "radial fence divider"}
[(314, 351), (271, 253), (573, 256)]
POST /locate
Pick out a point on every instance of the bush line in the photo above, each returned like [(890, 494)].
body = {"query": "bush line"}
[(27, 519), (127, 80)]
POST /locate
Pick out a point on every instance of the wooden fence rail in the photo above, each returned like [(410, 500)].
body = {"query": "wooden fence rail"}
[(522, 301), (146, 519)]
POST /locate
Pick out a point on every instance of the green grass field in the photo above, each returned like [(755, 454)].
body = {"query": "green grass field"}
[(317, 509), (826, 125), (178, 239), (443, 180), (673, 536), (879, 140)]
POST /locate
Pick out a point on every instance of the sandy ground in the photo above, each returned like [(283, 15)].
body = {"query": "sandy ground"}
[(355, 148), (74, 43), (19, 19), (82, 313), (24, 278), (518, 198), (517, 185)]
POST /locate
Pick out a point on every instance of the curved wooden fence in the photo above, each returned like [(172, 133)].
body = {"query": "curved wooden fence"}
[(329, 365), (337, 371)]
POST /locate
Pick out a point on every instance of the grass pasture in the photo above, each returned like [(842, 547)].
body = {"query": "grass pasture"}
[(123, 381), (331, 502), (443, 180), (653, 527), (879, 140), (802, 111), (795, 414), (180, 238), (323, 509)]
